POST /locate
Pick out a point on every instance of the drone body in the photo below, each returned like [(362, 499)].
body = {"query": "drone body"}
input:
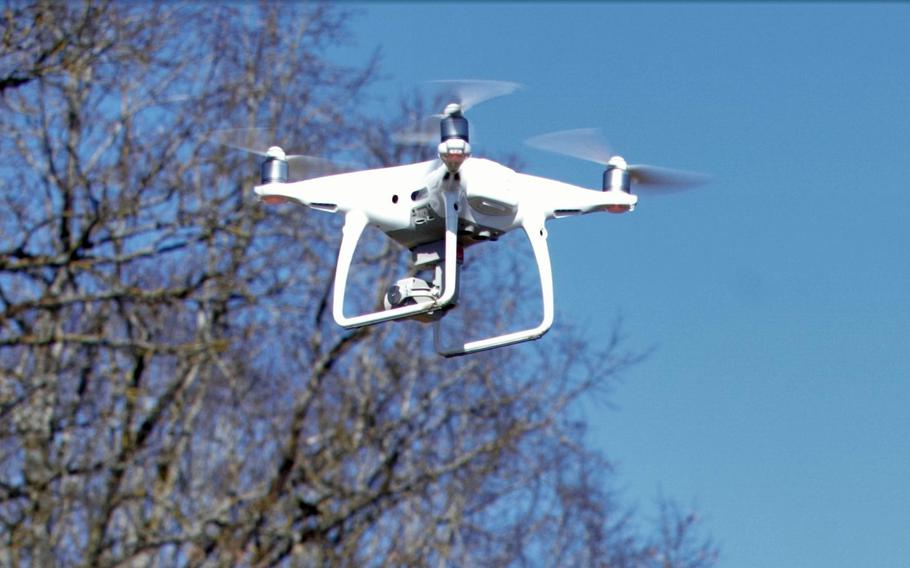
[(436, 209)]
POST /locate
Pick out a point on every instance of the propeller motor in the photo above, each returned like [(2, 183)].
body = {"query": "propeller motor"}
[(453, 124), (275, 167), (617, 178)]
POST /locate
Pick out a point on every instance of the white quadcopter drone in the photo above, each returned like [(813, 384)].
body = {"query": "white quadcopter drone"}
[(438, 207)]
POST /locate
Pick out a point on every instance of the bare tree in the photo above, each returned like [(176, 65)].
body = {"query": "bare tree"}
[(173, 393)]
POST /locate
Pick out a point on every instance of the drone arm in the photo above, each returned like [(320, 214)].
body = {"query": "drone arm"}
[(354, 224), (537, 234), (559, 199), (375, 191)]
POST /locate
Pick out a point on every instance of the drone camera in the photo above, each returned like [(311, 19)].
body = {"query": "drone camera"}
[(408, 291)]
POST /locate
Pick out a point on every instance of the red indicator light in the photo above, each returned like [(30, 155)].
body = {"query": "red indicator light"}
[(619, 208)]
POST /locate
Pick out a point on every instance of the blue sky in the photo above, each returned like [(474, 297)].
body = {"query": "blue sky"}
[(778, 297)]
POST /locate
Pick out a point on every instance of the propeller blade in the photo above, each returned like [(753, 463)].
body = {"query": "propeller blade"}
[(258, 141), (467, 93), (665, 178), (424, 132), (253, 140), (471, 92), (584, 143), (308, 167), (589, 144)]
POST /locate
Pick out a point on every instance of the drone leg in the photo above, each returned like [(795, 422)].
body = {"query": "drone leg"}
[(537, 234), (354, 224)]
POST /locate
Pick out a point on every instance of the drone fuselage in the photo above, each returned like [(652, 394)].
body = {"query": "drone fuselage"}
[(406, 202), (428, 207)]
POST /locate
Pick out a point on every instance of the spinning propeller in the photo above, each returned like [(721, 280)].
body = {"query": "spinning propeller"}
[(461, 96), (264, 142), (588, 144), (471, 92)]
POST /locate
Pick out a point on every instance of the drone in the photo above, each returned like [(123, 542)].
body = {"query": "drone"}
[(437, 208)]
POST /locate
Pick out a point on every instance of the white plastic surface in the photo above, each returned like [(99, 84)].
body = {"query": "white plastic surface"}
[(355, 222), (537, 234)]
